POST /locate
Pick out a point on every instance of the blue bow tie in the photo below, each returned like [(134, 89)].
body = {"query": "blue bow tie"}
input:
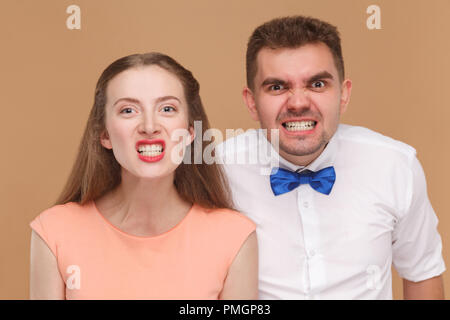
[(284, 180)]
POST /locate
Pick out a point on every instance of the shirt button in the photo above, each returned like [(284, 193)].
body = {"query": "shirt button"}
[(306, 204), (312, 253)]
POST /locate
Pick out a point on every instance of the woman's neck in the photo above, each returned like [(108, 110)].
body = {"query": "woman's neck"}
[(144, 207)]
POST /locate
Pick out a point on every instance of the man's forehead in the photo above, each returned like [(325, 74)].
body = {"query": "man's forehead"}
[(301, 62)]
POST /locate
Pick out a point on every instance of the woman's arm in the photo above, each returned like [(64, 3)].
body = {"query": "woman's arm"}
[(242, 279), (45, 279)]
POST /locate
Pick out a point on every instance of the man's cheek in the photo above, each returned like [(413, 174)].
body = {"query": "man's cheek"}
[(269, 119)]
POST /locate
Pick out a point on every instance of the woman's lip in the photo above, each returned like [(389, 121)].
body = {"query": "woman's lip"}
[(151, 159), (149, 142)]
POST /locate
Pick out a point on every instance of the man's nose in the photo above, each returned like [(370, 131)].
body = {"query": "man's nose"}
[(298, 98)]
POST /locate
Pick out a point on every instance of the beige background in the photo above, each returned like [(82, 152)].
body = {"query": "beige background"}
[(400, 76)]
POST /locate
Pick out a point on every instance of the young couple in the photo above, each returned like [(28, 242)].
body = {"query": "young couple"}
[(135, 222)]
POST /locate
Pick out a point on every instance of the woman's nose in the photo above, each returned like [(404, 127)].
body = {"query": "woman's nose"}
[(149, 125)]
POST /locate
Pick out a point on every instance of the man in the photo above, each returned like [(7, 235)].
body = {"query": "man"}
[(346, 202)]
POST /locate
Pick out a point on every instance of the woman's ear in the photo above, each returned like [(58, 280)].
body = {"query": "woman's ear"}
[(105, 141), (191, 134)]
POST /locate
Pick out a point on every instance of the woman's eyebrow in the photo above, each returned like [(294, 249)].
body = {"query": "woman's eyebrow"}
[(127, 99), (137, 101), (164, 98)]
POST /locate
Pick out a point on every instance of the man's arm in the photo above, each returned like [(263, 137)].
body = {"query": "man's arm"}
[(430, 289)]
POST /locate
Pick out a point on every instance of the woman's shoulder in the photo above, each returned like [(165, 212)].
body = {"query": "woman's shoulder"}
[(63, 212), (60, 218), (226, 218), (55, 224), (223, 231)]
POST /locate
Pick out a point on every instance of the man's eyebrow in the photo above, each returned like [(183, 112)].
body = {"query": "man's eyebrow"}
[(272, 81), (320, 76), (136, 101), (317, 76)]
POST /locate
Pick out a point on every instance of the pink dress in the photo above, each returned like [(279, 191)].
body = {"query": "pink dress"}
[(99, 261)]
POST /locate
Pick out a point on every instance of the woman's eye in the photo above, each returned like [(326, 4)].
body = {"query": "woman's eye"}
[(168, 109), (126, 110)]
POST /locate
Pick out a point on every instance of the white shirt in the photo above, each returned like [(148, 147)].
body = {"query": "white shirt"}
[(341, 245)]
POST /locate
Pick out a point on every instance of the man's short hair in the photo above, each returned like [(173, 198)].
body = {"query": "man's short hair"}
[(292, 32)]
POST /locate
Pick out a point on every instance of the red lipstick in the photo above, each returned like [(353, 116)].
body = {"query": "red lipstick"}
[(150, 142)]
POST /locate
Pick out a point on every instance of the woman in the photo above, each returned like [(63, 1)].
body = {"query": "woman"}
[(133, 222)]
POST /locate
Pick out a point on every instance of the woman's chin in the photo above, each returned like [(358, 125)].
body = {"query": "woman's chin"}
[(154, 173)]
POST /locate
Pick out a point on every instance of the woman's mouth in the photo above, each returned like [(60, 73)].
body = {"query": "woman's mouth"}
[(150, 150)]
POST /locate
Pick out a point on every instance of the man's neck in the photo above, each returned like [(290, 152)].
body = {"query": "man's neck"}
[(302, 161)]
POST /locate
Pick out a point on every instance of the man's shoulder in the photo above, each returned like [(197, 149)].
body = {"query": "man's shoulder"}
[(361, 135)]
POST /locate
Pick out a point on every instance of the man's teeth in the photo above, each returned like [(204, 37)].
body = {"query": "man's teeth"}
[(299, 125), (150, 150)]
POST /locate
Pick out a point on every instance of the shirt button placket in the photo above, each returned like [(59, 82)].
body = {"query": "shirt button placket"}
[(304, 202)]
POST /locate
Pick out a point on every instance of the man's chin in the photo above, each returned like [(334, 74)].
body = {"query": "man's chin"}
[(303, 150)]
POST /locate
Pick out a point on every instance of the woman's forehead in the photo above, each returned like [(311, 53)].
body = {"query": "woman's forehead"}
[(146, 82)]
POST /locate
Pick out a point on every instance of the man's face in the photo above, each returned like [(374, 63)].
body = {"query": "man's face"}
[(298, 91)]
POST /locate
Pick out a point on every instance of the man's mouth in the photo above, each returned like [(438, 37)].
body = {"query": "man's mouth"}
[(304, 125)]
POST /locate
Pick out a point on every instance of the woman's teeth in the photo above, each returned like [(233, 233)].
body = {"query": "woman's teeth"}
[(299, 125), (150, 150)]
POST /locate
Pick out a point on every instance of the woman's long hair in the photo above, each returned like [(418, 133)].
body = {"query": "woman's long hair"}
[(96, 171)]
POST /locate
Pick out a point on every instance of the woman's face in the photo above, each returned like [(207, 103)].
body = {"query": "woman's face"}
[(146, 121)]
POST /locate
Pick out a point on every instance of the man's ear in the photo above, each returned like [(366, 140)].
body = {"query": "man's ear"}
[(105, 141), (346, 90), (249, 100)]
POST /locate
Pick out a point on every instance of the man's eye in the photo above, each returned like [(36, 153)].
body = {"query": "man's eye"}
[(276, 87), (318, 84)]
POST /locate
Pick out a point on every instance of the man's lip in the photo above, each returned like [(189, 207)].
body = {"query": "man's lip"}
[(298, 133), (298, 120), (148, 142)]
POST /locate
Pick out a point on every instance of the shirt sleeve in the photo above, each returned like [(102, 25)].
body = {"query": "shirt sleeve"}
[(417, 245), (43, 225)]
